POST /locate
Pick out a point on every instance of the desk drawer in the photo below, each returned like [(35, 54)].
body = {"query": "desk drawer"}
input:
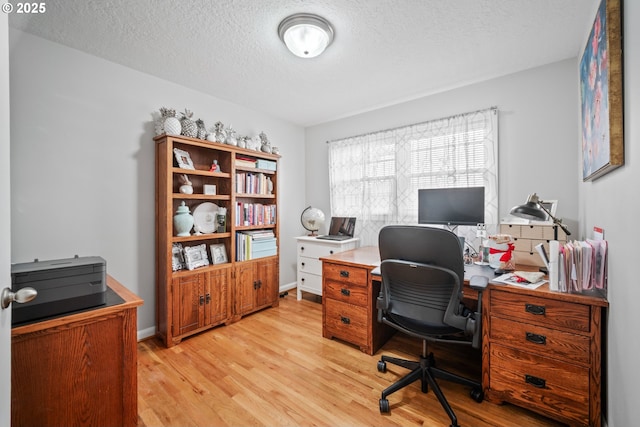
[(545, 341), (317, 249), (310, 265), (346, 292), (560, 389), (341, 273), (541, 311), (345, 321)]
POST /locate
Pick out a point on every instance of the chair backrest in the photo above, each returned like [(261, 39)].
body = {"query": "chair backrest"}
[(422, 274)]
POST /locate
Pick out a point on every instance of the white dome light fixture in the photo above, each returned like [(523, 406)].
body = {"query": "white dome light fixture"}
[(306, 35)]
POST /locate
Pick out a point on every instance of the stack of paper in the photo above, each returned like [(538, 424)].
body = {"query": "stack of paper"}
[(577, 266)]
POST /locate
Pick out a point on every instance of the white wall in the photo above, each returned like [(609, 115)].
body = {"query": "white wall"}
[(612, 203), (537, 133), (82, 161)]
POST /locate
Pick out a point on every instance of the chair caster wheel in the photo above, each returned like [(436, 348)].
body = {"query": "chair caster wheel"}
[(477, 395), (384, 406), (382, 366)]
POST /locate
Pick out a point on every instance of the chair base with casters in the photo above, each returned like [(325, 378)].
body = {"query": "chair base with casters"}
[(425, 371)]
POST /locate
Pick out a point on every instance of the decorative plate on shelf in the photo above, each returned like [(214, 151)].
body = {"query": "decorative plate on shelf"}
[(204, 217)]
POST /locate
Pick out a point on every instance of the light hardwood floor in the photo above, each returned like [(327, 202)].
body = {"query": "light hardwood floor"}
[(274, 368)]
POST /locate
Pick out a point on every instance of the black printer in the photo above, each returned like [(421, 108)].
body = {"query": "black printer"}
[(63, 286)]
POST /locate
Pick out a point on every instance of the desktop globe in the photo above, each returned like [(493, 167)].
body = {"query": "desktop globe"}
[(312, 219)]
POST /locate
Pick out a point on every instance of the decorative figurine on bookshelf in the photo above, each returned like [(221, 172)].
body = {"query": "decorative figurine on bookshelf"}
[(215, 167), (187, 186), (265, 144), (269, 185)]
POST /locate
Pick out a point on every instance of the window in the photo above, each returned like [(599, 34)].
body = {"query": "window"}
[(376, 177)]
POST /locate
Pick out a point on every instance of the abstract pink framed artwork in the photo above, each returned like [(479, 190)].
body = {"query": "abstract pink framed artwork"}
[(601, 94)]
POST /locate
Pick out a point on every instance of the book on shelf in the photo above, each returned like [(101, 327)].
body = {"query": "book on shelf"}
[(252, 183), (248, 247), (255, 214), (246, 162), (266, 164)]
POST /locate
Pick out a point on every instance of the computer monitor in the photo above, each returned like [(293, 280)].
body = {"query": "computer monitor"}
[(451, 206)]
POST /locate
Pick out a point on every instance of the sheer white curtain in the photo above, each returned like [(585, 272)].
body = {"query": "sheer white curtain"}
[(376, 177)]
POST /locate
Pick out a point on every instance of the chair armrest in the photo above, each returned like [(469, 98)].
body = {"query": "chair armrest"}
[(478, 283)]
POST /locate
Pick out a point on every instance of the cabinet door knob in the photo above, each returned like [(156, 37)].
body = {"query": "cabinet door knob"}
[(302, 248), (201, 299), (208, 299), (538, 310), (302, 264), (331, 252), (535, 338)]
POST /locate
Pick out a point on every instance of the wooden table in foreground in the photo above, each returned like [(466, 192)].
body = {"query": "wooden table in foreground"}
[(79, 369), (540, 349)]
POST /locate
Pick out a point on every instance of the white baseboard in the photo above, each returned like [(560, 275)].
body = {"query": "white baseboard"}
[(288, 286), (146, 333)]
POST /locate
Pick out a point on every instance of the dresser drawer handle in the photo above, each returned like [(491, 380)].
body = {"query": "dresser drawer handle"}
[(536, 339), (345, 292), (345, 320), (535, 381), (538, 310), (344, 273)]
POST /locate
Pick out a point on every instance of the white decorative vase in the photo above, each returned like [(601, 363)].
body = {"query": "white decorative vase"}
[(172, 126), (182, 221)]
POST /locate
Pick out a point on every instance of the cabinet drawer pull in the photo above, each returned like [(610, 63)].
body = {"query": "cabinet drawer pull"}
[(345, 320), (344, 273), (536, 339), (538, 310), (345, 292), (535, 381), (331, 252)]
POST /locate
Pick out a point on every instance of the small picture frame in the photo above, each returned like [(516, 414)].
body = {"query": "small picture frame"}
[(218, 253), (183, 158), (196, 256), (177, 257), (209, 189)]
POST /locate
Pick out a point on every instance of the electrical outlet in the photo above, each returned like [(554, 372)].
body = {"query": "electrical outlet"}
[(481, 230)]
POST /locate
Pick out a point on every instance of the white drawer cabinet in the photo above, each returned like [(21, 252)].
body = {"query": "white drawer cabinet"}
[(527, 237), (310, 250)]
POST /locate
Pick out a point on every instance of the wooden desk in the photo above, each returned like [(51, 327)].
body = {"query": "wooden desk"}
[(540, 349), (79, 369)]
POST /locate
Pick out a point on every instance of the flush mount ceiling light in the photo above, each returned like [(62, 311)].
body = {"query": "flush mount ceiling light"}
[(306, 35)]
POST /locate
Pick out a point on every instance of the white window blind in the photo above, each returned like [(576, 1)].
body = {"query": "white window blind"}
[(376, 177)]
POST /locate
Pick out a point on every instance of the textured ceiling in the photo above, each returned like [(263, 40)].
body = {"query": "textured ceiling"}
[(384, 52)]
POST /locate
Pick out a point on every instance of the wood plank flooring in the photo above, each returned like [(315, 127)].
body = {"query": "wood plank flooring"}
[(274, 368)]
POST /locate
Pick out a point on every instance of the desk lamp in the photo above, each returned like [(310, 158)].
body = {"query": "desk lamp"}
[(535, 210)]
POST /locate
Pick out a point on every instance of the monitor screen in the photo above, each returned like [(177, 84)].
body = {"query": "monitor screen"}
[(451, 206)]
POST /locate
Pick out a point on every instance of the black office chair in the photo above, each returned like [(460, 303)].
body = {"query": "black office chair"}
[(421, 295)]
